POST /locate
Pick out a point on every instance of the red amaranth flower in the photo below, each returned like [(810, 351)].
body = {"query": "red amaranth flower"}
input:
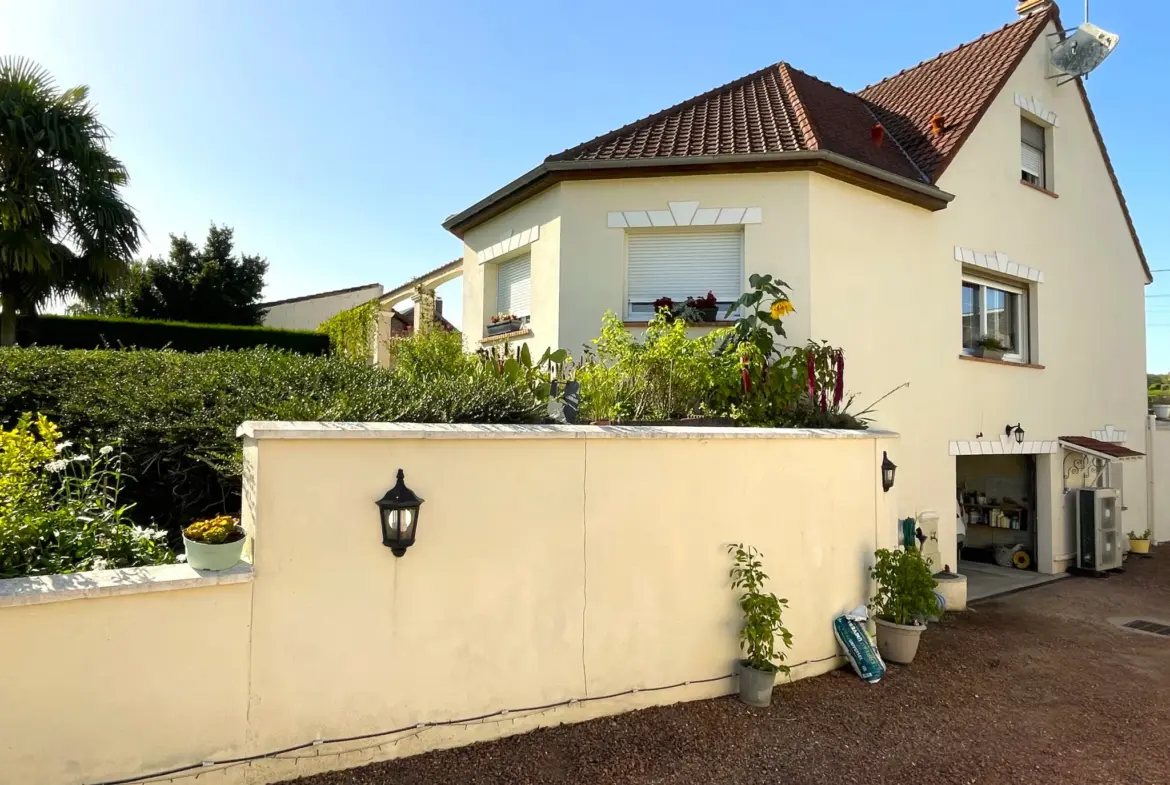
[(812, 376), (839, 383)]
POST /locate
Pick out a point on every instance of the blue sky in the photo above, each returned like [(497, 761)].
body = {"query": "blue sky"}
[(336, 136)]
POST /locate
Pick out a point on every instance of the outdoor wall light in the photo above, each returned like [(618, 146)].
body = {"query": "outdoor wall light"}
[(1016, 431), (398, 514), (888, 469)]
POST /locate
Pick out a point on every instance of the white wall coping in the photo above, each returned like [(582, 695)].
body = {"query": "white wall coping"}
[(41, 589), (396, 430)]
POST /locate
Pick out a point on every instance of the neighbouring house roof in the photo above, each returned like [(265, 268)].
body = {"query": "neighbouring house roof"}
[(406, 319), (781, 118), (319, 295), (1110, 450), (441, 274)]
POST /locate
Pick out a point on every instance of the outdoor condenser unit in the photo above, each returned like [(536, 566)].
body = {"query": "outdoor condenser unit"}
[(1098, 529)]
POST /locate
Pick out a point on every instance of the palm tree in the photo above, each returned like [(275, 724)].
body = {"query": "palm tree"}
[(64, 227)]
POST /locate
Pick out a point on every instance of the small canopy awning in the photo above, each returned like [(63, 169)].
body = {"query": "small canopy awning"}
[(1109, 451)]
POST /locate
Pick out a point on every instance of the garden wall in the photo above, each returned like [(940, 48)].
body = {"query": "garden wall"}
[(553, 564)]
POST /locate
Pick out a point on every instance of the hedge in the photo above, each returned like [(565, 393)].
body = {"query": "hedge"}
[(175, 415), (99, 332)]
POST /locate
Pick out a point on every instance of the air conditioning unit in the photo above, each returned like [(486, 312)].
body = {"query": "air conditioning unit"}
[(1098, 529)]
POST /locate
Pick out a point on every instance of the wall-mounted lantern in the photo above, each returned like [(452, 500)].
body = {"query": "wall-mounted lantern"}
[(398, 513), (888, 469), (1016, 431)]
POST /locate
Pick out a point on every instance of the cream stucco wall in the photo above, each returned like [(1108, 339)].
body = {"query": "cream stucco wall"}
[(886, 287), (308, 314), (597, 577), (103, 688), (879, 277), (479, 279), (1159, 446)]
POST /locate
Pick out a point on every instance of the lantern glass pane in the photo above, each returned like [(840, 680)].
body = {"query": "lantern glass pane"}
[(406, 520)]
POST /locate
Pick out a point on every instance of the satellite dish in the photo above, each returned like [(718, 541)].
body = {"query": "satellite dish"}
[(1083, 51)]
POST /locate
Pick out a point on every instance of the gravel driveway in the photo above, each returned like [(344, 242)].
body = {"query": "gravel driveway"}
[(1036, 687)]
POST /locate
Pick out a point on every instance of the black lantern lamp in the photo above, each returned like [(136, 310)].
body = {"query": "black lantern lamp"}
[(399, 514), (1016, 431), (888, 469)]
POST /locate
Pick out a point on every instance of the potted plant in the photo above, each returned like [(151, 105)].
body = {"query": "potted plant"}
[(990, 347), (762, 623), (904, 599), (708, 307), (1161, 408), (214, 543), (503, 323), (1139, 543)]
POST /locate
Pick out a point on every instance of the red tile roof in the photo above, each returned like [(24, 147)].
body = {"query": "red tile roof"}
[(959, 85), (778, 109), (1109, 449)]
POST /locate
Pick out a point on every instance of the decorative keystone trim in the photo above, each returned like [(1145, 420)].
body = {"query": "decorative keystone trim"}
[(1036, 107), (1004, 445), (1110, 434), (998, 263), (510, 244), (685, 214)]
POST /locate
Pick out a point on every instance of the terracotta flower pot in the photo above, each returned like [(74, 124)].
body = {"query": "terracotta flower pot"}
[(898, 642)]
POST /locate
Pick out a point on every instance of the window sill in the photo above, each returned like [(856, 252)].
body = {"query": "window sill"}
[(716, 323), (1041, 190), (506, 336), (974, 359)]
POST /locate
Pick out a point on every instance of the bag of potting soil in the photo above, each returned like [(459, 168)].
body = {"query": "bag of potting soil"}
[(849, 630)]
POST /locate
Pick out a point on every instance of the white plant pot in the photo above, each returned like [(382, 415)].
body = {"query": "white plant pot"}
[(204, 556), (898, 642), (1162, 411)]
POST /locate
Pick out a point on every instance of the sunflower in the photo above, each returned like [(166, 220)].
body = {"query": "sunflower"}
[(782, 308)]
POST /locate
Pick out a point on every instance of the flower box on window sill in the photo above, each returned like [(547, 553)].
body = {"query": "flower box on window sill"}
[(510, 326), (988, 354)]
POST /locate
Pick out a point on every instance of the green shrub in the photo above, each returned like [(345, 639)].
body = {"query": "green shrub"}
[(175, 415), (905, 592), (98, 332), (351, 332), (61, 511), (762, 612)]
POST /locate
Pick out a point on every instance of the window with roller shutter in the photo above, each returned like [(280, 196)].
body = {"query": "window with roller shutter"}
[(514, 286), (682, 264), (1032, 153)]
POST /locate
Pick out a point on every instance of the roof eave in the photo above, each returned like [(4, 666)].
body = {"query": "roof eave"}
[(832, 164)]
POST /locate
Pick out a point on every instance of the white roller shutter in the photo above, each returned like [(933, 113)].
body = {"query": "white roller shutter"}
[(1032, 150), (514, 286), (679, 265)]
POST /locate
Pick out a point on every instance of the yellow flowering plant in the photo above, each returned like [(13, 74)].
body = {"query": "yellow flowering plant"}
[(214, 531)]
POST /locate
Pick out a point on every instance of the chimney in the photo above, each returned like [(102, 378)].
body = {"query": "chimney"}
[(1026, 7), (438, 308)]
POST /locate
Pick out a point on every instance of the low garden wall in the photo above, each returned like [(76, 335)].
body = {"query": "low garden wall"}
[(560, 573)]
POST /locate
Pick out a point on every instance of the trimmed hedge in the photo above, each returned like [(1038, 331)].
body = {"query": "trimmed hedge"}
[(175, 415), (101, 332)]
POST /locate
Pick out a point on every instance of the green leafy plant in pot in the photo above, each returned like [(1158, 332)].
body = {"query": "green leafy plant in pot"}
[(1139, 542), (904, 599), (990, 347), (214, 543), (762, 625)]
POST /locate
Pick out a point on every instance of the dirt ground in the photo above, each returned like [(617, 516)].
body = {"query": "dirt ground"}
[(1036, 687)]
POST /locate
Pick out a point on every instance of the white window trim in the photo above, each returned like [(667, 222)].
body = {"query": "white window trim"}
[(1023, 326), (685, 214), (1036, 108), (509, 244), (998, 263), (641, 316)]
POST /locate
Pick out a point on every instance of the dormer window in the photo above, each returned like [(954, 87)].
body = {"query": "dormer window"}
[(1033, 152)]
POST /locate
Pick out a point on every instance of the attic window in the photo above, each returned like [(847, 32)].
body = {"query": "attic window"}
[(1033, 152)]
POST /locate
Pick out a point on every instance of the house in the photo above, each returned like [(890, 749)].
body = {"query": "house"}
[(308, 311), (969, 195)]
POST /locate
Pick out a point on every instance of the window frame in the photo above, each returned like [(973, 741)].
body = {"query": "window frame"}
[(501, 263), (645, 314), (1045, 176), (1023, 314)]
